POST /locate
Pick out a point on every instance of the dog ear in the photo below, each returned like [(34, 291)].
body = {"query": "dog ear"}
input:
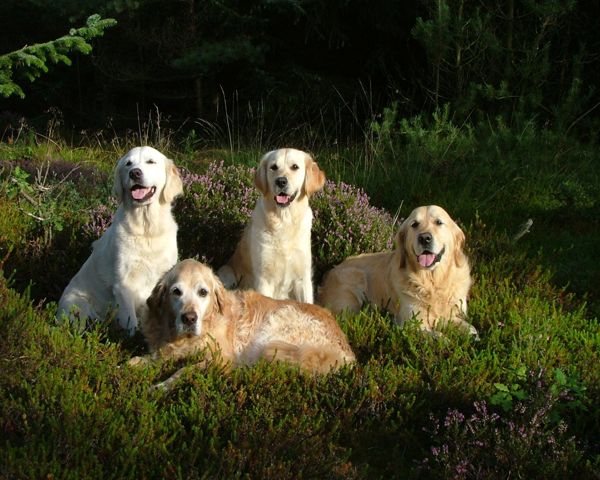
[(314, 178), (459, 244), (260, 175), (156, 299), (222, 302), (399, 243), (173, 185), (117, 183)]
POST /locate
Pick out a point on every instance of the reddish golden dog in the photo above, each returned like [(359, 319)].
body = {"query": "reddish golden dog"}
[(190, 310)]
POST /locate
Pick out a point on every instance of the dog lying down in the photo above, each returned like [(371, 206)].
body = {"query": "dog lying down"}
[(136, 250), (426, 276), (190, 310)]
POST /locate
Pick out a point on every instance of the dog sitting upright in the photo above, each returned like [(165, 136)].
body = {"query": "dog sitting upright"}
[(136, 250), (274, 254)]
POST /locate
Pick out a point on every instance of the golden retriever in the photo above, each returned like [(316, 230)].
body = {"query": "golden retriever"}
[(139, 246), (190, 310), (427, 275), (274, 255)]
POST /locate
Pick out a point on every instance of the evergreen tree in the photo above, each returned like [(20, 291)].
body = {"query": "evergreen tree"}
[(32, 61)]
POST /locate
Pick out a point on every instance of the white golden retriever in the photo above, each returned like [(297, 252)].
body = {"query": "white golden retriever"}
[(274, 254), (426, 276), (139, 246), (190, 310)]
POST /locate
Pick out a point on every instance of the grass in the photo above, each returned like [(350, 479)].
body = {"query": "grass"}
[(519, 402)]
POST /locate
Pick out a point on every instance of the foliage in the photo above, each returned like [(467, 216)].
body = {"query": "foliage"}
[(344, 222), (517, 402), (301, 65), (31, 61), (508, 59), (486, 445)]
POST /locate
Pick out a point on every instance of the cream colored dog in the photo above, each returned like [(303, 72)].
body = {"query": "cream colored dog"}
[(274, 254), (190, 310), (139, 246), (426, 276)]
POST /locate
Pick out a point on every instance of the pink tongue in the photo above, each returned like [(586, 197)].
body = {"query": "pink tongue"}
[(139, 193), (282, 198), (426, 259)]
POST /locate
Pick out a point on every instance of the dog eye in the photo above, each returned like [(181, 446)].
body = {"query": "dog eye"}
[(273, 167), (203, 292), (175, 291), (439, 222), (152, 162), (295, 167), (414, 224), (128, 164)]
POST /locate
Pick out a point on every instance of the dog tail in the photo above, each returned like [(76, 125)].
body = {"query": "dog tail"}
[(316, 359)]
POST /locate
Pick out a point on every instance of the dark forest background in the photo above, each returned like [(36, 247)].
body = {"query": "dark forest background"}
[(286, 62)]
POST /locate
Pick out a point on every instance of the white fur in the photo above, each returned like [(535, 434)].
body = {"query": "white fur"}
[(135, 251)]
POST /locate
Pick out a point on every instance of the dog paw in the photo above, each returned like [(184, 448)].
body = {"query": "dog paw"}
[(138, 361)]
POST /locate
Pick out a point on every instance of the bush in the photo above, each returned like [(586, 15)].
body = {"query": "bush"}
[(217, 205), (71, 408), (529, 440)]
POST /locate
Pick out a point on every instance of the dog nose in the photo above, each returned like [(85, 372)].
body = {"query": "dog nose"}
[(425, 239), (189, 318), (135, 174), (281, 182)]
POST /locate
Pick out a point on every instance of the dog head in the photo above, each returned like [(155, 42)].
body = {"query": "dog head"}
[(429, 238), (287, 174), (144, 175), (187, 297)]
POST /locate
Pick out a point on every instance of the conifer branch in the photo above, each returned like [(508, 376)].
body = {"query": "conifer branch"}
[(32, 61)]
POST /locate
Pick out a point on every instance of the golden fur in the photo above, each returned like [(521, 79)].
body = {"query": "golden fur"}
[(273, 256), (190, 310), (427, 275), (139, 246)]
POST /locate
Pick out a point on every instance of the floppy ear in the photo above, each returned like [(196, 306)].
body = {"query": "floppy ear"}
[(314, 178), (117, 184), (260, 175), (400, 246), (173, 185), (459, 244), (156, 299), (222, 300)]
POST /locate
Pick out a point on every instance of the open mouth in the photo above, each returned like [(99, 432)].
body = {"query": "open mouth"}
[(428, 259), (141, 194), (283, 200)]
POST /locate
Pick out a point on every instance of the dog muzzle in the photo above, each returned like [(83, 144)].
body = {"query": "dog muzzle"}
[(429, 259)]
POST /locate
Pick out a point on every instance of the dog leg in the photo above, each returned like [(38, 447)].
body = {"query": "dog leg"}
[(266, 288), (303, 290), (227, 277), (126, 315)]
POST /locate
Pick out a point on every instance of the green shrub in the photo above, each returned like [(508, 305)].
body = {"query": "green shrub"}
[(217, 205)]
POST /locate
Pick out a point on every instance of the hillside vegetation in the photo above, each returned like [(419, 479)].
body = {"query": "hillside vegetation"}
[(518, 403)]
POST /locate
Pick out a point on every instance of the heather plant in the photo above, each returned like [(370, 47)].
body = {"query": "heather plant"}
[(518, 402), (218, 203), (214, 210), (345, 223), (527, 441)]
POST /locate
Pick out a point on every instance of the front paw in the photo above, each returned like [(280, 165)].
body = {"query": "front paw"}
[(138, 361), (128, 324)]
